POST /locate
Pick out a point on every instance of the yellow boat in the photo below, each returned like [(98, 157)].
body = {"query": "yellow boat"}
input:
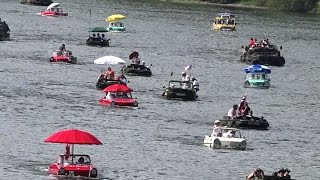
[(224, 22)]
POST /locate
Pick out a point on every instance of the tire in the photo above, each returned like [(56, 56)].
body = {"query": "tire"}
[(112, 103), (61, 171), (93, 173), (216, 143), (51, 59)]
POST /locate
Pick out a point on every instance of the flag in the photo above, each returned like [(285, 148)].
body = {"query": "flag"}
[(188, 67)]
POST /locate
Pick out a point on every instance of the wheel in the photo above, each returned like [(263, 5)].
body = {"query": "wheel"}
[(112, 103), (93, 173), (61, 171), (51, 59), (216, 143)]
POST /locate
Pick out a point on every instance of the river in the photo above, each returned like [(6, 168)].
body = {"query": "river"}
[(161, 139)]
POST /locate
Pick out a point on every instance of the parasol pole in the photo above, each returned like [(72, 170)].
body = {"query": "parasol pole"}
[(72, 147)]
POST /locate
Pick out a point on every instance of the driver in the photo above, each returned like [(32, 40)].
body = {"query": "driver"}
[(81, 160)]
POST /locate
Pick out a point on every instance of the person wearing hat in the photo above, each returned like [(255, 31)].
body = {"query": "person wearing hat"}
[(216, 129), (233, 112), (286, 173)]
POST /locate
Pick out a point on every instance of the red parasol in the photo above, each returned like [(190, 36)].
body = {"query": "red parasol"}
[(73, 136), (133, 55), (117, 88)]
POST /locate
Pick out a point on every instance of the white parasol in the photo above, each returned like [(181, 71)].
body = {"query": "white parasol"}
[(113, 60)]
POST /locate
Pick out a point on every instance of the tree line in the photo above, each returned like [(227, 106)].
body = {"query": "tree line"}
[(289, 5)]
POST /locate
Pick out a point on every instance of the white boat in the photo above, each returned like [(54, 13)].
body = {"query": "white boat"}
[(227, 138)]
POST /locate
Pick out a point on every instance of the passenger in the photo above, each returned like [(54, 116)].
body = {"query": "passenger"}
[(143, 63), (122, 78), (233, 113), (109, 74), (251, 42), (81, 160), (90, 38), (185, 76), (186, 81), (103, 38), (110, 96), (281, 173), (216, 129), (246, 110), (62, 47), (241, 105), (94, 36), (195, 84), (286, 173), (256, 174), (98, 37), (136, 60), (229, 134)]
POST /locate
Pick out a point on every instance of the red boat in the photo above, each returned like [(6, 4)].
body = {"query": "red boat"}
[(76, 165), (118, 95), (53, 9), (63, 56), (70, 164)]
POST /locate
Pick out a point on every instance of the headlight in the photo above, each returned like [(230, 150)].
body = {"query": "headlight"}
[(93, 172)]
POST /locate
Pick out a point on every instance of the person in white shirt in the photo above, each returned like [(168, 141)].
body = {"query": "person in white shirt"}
[(109, 96), (233, 113), (195, 84), (229, 134), (186, 80), (216, 129)]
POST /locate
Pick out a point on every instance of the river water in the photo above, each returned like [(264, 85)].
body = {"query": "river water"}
[(161, 139)]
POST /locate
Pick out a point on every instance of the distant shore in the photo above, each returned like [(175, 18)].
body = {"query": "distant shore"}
[(236, 5)]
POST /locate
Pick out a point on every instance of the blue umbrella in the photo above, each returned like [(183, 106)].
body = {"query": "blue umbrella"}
[(257, 68)]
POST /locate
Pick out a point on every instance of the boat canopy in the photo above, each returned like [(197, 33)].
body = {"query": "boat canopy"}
[(226, 15), (257, 68), (53, 5), (98, 29)]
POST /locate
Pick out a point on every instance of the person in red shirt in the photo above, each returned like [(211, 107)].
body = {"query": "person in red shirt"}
[(251, 42)]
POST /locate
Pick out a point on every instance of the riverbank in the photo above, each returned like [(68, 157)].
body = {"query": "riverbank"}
[(302, 6)]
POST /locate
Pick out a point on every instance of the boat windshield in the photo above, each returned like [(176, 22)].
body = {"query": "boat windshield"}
[(116, 24), (226, 21), (257, 76), (74, 159)]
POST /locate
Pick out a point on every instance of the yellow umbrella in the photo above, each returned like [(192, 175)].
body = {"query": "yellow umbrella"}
[(115, 17)]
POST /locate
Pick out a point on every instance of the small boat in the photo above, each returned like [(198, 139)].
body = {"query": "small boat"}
[(63, 56), (257, 76), (114, 23), (54, 10), (70, 164), (247, 122), (137, 70), (4, 31), (96, 40), (182, 90), (263, 55), (116, 27), (102, 82), (224, 22), (229, 138), (118, 95)]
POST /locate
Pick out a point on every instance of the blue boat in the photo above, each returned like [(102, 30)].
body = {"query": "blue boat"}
[(257, 76)]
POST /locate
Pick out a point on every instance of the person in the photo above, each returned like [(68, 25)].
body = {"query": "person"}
[(286, 173), (98, 37), (216, 129), (62, 47), (251, 42), (229, 134), (143, 63), (186, 80), (136, 60), (256, 174), (241, 105), (94, 36), (246, 110), (109, 96), (281, 173), (109, 74), (103, 38), (232, 113), (122, 78), (195, 84), (81, 160)]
